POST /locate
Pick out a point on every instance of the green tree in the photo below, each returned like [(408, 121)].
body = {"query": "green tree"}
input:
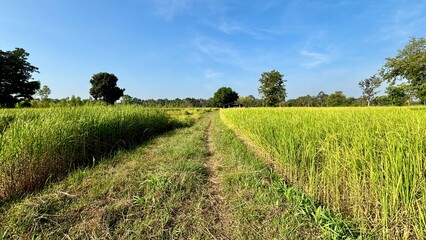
[(321, 98), (368, 86), (104, 87), (44, 92), (382, 101), (223, 96), (272, 88), (15, 75), (409, 64), (398, 95), (247, 101), (336, 99)]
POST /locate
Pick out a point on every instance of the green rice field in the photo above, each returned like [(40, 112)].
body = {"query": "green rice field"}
[(111, 172), (368, 164)]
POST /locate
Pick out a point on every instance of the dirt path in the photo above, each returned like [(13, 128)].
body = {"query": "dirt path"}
[(215, 201)]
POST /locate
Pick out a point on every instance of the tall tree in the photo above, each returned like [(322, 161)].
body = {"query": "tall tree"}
[(223, 96), (409, 64), (272, 88), (104, 87), (368, 86), (44, 92), (321, 98), (15, 75)]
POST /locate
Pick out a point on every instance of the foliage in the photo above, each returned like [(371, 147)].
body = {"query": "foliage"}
[(44, 92), (398, 95), (368, 86), (15, 75), (250, 101), (336, 99), (104, 87), (223, 96), (409, 64), (382, 101), (272, 88), (303, 101)]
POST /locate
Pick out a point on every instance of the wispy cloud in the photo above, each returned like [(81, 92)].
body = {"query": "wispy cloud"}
[(407, 20), (217, 51), (210, 74), (168, 9), (315, 58)]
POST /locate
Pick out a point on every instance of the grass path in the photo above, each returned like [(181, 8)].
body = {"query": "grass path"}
[(199, 182), (215, 198), (157, 191)]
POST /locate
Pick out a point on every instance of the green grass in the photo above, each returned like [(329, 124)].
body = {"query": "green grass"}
[(263, 206), (169, 188), (40, 145), (365, 163), (156, 191)]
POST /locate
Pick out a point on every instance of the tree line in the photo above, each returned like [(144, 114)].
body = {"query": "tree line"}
[(405, 74)]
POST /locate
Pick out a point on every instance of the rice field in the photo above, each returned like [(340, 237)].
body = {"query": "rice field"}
[(37, 146), (367, 164)]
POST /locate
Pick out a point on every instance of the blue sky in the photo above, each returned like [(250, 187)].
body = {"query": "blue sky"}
[(190, 48)]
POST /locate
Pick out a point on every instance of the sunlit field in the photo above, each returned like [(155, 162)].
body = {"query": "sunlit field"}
[(368, 164), (38, 145)]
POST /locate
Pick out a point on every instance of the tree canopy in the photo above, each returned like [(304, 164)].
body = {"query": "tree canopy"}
[(15, 75), (409, 64), (223, 96), (104, 87), (368, 86), (272, 88), (336, 99), (44, 92), (398, 95)]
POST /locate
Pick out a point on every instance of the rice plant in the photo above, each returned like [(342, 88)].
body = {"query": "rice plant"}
[(39, 145), (368, 164)]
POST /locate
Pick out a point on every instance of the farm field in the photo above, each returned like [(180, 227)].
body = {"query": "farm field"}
[(44, 144), (299, 173), (367, 164), (198, 181)]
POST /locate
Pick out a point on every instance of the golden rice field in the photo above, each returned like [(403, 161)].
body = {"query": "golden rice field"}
[(367, 164)]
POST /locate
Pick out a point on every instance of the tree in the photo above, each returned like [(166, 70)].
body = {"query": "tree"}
[(223, 96), (382, 101), (247, 101), (104, 87), (336, 99), (44, 92), (272, 88), (368, 86), (321, 98), (15, 75), (409, 64), (398, 94)]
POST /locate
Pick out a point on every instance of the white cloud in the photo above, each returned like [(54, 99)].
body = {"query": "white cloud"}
[(219, 51), (169, 8), (315, 58), (212, 74), (406, 21)]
